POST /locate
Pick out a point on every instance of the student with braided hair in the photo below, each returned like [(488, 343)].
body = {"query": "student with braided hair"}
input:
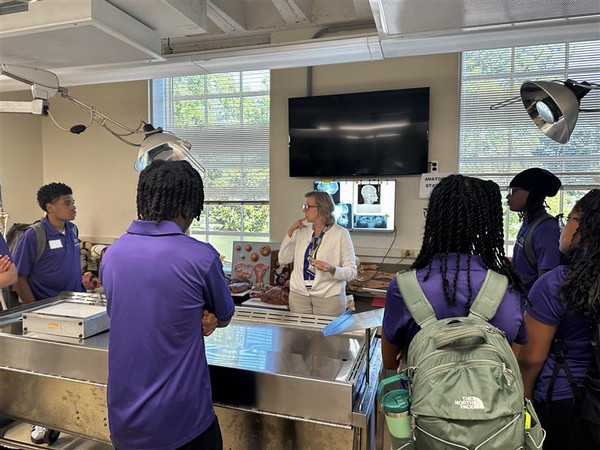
[(160, 285), (463, 239), (564, 302)]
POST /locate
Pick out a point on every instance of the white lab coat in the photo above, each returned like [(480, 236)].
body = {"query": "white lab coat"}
[(336, 248)]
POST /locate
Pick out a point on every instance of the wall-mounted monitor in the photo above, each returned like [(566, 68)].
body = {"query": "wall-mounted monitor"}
[(369, 134), (362, 205)]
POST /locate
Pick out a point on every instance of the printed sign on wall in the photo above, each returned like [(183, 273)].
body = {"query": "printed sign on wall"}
[(429, 181)]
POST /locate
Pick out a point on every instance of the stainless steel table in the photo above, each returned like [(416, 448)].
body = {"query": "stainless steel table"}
[(278, 383)]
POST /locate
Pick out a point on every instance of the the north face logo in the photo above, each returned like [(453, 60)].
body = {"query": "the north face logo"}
[(470, 402)]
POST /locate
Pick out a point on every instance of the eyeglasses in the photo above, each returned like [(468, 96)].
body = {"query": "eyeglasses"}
[(512, 190), (307, 206), (563, 221)]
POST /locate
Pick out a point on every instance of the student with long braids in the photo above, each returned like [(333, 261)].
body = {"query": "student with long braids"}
[(160, 285), (563, 303), (463, 238), (536, 249)]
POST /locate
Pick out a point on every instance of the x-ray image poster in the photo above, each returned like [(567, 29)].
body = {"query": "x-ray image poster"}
[(373, 201), (368, 198), (343, 215), (370, 222), (331, 187)]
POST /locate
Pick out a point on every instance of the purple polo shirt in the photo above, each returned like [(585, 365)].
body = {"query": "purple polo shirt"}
[(572, 328), (399, 327), (3, 247), (59, 268), (545, 241), (158, 281)]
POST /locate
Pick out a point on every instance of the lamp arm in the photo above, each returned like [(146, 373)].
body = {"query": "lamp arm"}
[(194, 162), (589, 86), (100, 117), (119, 137)]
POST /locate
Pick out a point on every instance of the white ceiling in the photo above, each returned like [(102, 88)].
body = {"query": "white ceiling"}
[(93, 41)]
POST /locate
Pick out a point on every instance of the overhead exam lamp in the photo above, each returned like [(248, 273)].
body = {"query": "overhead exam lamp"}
[(553, 105), (156, 143)]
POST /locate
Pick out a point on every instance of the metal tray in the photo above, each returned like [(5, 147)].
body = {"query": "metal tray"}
[(67, 318)]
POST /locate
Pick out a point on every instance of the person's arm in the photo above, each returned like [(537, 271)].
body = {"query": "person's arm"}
[(288, 245), (24, 257), (24, 290), (346, 271), (217, 298), (516, 348), (393, 329), (8, 272), (210, 323), (533, 355), (391, 354)]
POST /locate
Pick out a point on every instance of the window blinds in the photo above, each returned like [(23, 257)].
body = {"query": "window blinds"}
[(499, 144), (226, 119)]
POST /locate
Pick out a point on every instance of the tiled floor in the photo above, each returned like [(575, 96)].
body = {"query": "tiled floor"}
[(20, 435)]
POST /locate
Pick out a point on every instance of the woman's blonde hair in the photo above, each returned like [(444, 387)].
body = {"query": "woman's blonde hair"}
[(325, 205)]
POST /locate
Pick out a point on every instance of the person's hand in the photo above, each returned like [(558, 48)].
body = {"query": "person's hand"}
[(399, 359), (90, 281), (297, 224), (4, 263), (323, 266), (209, 323)]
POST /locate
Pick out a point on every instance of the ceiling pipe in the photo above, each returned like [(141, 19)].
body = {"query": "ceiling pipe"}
[(333, 29)]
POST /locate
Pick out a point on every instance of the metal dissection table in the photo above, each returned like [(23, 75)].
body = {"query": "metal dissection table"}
[(278, 383)]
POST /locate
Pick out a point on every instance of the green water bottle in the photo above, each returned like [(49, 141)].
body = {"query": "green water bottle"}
[(396, 408)]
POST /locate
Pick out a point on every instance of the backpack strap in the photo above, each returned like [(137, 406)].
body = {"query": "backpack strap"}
[(75, 230), (528, 238), (489, 296), (40, 236), (560, 349), (417, 304)]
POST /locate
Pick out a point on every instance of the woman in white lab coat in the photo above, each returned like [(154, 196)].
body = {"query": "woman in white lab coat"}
[(323, 257)]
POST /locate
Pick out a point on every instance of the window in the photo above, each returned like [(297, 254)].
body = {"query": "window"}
[(498, 144), (225, 117)]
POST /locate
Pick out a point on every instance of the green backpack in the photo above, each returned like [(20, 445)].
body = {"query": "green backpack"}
[(466, 387)]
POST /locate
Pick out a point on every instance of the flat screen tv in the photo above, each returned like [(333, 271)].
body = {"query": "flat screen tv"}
[(366, 134)]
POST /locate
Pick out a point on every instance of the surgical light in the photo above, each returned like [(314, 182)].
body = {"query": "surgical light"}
[(553, 105), (156, 143)]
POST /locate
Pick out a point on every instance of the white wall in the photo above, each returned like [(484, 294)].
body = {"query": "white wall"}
[(97, 166), (439, 72), (21, 168)]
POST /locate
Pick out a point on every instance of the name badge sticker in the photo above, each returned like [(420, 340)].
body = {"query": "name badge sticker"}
[(55, 243)]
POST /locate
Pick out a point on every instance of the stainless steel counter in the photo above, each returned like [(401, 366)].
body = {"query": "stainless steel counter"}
[(269, 369)]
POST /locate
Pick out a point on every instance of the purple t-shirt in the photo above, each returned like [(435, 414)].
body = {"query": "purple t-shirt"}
[(544, 241), (158, 281), (59, 268), (572, 328), (399, 327), (3, 247)]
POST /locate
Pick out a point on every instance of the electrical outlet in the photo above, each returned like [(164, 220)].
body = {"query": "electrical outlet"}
[(407, 253), (433, 166)]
